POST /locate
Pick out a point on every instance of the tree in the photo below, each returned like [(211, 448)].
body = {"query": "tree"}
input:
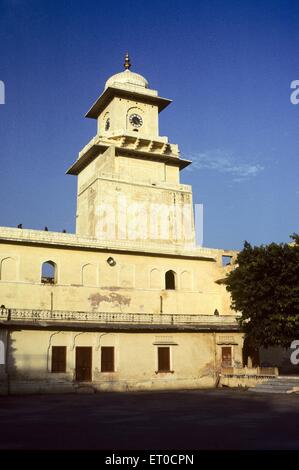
[(264, 288)]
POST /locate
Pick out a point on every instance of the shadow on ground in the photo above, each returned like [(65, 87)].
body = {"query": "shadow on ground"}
[(201, 419)]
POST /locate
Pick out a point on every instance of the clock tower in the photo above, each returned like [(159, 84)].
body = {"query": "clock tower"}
[(128, 175)]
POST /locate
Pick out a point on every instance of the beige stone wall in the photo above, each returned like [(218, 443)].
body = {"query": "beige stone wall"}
[(195, 358), (138, 170), (172, 174), (85, 281)]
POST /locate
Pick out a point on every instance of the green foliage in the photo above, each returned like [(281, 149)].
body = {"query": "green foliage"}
[(265, 290)]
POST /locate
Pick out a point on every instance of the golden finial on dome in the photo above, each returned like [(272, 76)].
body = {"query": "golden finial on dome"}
[(127, 63)]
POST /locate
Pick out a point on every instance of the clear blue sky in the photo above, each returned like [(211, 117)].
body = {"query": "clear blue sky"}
[(227, 65)]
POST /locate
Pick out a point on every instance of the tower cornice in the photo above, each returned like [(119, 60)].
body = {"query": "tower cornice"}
[(112, 92), (97, 149)]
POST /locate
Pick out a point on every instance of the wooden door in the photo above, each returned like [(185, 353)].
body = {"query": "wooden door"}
[(226, 356), (83, 363)]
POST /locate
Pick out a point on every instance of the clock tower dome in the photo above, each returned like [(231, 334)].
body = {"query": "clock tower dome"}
[(128, 171)]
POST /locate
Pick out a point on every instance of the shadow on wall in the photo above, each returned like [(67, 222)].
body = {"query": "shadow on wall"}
[(8, 365), (251, 356)]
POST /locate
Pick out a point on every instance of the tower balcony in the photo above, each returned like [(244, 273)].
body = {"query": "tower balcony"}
[(129, 140)]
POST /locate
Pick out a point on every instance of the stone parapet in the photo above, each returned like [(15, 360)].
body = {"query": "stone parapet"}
[(10, 234), (108, 317)]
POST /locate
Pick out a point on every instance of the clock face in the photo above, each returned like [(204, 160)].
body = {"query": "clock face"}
[(136, 120), (107, 124)]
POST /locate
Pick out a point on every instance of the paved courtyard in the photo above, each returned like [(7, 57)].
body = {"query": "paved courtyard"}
[(201, 419)]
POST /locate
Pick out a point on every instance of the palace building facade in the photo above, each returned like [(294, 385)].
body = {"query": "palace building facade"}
[(128, 302)]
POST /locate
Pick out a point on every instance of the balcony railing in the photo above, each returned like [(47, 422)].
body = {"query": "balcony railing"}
[(109, 317)]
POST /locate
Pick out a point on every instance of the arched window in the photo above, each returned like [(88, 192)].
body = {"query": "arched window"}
[(170, 280), (155, 279), (8, 269), (89, 275), (49, 273)]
